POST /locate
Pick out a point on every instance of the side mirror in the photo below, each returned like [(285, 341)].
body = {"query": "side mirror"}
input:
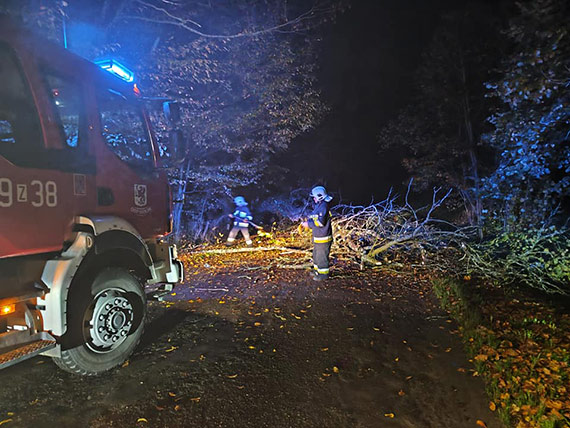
[(171, 111), (178, 145)]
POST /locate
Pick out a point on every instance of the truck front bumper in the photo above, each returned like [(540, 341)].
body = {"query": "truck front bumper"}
[(167, 268)]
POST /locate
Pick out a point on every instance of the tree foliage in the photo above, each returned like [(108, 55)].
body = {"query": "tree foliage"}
[(439, 129), (521, 113), (532, 129)]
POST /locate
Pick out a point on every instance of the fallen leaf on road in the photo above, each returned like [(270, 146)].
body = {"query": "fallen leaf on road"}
[(389, 415), (324, 349), (401, 393), (481, 423), (172, 348), (138, 420), (335, 369), (492, 406), (195, 399), (233, 376)]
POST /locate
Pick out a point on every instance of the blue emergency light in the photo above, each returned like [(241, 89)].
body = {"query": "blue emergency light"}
[(116, 68)]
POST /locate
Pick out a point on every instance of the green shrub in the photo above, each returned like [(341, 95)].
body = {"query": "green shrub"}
[(539, 258)]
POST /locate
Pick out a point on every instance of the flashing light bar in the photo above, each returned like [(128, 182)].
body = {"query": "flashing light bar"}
[(116, 68)]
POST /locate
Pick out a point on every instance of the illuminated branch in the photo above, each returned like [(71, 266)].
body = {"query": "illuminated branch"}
[(190, 25), (176, 20), (369, 232)]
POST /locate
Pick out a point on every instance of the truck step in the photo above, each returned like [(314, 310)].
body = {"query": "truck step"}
[(25, 351)]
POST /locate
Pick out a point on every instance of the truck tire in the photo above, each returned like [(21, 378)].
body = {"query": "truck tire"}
[(106, 317)]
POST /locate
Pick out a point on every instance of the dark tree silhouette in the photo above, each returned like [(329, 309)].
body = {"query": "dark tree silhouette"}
[(440, 129)]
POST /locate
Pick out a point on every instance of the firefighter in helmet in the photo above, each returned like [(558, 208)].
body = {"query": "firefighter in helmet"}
[(241, 216), (319, 222)]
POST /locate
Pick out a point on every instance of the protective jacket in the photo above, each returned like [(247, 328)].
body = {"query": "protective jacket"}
[(320, 223), (241, 216)]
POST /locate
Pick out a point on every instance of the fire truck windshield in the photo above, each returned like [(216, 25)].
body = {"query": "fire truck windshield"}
[(124, 130)]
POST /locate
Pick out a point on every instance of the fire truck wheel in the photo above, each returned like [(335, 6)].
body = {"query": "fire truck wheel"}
[(105, 322)]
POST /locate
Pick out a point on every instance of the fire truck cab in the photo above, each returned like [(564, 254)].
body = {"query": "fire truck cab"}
[(83, 208)]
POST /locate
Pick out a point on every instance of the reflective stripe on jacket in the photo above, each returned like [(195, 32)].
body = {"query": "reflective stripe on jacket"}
[(242, 216), (320, 223)]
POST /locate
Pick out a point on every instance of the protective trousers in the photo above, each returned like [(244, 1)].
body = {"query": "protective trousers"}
[(244, 231), (321, 253)]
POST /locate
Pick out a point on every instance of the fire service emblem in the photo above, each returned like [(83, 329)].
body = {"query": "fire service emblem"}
[(140, 195)]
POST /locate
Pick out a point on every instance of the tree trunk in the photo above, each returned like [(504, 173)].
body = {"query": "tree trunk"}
[(178, 200), (473, 174)]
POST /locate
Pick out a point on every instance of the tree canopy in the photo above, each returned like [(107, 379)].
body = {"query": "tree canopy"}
[(491, 111), (531, 132), (244, 73)]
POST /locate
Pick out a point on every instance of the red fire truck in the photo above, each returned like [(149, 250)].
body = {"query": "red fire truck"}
[(83, 208)]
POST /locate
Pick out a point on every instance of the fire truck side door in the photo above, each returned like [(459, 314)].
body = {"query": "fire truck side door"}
[(38, 185)]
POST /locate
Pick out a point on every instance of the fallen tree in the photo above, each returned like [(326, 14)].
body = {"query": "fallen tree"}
[(368, 233)]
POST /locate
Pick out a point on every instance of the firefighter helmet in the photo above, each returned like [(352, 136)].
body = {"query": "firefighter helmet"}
[(240, 201), (319, 193)]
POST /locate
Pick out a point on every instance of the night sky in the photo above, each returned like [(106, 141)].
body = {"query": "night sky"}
[(367, 68)]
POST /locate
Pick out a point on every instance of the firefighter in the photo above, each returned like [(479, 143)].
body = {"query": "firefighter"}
[(242, 217), (320, 223)]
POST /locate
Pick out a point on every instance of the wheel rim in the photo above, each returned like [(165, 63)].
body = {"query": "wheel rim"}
[(111, 319)]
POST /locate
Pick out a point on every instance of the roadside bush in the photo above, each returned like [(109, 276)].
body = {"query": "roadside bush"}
[(538, 258)]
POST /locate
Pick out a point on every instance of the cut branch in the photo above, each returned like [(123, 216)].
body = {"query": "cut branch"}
[(246, 250)]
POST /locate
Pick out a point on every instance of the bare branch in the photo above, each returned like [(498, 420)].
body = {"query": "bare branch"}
[(368, 232), (190, 25), (175, 18)]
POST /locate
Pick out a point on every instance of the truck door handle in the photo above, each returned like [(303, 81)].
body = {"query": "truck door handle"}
[(105, 196)]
